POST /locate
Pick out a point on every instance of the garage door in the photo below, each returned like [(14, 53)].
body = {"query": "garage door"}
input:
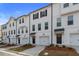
[(44, 40), (74, 39)]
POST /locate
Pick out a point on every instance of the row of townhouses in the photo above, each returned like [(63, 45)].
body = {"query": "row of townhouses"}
[(56, 23), (0, 33)]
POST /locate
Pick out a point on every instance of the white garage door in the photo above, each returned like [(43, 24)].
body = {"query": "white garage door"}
[(44, 40), (74, 39)]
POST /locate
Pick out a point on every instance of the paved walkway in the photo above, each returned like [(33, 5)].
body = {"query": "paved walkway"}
[(6, 53), (33, 51)]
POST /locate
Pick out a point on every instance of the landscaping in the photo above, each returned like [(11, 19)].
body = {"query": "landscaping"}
[(3, 45), (56, 50), (22, 48)]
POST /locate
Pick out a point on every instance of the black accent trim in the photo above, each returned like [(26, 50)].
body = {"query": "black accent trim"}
[(32, 33), (61, 29)]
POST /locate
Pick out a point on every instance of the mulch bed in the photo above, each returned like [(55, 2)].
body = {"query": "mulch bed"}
[(22, 48), (58, 51)]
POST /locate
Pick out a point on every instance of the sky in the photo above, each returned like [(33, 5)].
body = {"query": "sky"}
[(17, 9)]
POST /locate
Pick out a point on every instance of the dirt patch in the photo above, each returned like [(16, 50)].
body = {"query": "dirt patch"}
[(58, 51)]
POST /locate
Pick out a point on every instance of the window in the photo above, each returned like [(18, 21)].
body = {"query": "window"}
[(11, 32), (18, 31), (36, 16), (6, 33), (33, 27), (39, 26), (66, 5), (22, 20), (75, 3), (10, 25), (70, 20), (22, 31), (43, 13), (13, 23), (58, 22), (46, 25), (14, 31), (26, 30)]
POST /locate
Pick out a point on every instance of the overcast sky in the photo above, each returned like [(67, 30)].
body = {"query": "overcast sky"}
[(17, 9)]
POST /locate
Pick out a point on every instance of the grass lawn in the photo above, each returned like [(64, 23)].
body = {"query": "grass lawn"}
[(6, 45), (58, 51), (22, 48)]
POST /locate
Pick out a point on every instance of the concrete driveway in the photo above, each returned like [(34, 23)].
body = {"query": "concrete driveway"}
[(33, 51)]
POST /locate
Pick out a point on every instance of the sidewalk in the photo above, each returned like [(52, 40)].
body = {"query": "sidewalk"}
[(9, 53), (33, 51), (28, 52)]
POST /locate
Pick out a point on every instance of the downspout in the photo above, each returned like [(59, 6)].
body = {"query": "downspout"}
[(51, 24), (16, 31), (29, 29)]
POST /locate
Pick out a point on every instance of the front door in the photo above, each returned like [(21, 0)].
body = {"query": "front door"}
[(33, 39), (18, 40), (9, 40), (59, 38)]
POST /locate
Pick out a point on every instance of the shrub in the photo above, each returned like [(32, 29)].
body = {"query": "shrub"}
[(57, 45), (63, 46)]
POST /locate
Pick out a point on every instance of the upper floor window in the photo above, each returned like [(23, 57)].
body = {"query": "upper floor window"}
[(6, 33), (22, 20), (75, 3), (10, 25), (46, 25), (33, 27), (36, 16), (13, 23), (43, 13), (18, 31), (39, 26), (22, 31), (14, 31), (58, 22), (26, 30), (11, 32), (70, 20), (66, 5)]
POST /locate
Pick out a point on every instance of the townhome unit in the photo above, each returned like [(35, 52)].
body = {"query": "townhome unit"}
[(66, 24), (4, 33), (0, 33), (40, 26), (9, 31), (22, 28)]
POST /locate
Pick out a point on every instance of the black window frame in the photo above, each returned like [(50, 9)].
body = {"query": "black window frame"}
[(58, 22), (18, 31), (35, 16), (33, 27), (22, 20), (46, 26), (43, 13), (39, 27), (70, 20), (66, 5), (75, 3), (22, 31)]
